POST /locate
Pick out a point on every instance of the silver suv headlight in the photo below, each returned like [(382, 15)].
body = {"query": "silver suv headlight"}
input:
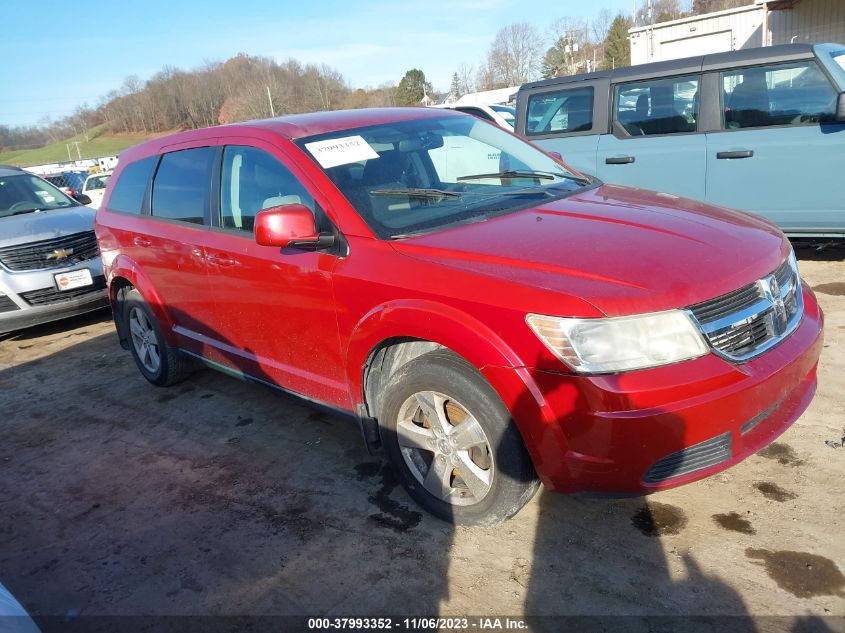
[(594, 346)]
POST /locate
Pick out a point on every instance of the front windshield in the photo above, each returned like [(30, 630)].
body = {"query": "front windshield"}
[(419, 176), (25, 193)]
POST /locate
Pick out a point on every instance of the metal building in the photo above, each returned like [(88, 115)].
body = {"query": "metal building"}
[(763, 23)]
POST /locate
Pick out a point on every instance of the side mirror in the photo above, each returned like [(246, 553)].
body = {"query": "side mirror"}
[(289, 225), (840, 107), (81, 198)]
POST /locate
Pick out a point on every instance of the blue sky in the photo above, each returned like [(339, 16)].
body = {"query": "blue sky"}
[(58, 55)]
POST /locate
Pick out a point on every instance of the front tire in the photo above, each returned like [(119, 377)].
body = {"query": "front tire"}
[(159, 363), (453, 443)]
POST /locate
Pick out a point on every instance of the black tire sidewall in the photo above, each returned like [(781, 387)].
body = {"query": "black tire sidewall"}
[(514, 478), (133, 299)]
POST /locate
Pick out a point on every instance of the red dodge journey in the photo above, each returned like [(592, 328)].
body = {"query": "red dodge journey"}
[(491, 318)]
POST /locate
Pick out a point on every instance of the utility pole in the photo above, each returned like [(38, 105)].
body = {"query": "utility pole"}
[(270, 99), (650, 31)]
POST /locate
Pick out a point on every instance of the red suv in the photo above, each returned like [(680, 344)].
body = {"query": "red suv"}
[(489, 317)]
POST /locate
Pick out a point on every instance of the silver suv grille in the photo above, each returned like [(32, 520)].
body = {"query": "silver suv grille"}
[(748, 321), (52, 253)]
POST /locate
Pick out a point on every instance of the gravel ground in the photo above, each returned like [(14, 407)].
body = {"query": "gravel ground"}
[(222, 497)]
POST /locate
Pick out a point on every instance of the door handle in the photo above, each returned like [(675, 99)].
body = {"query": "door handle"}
[(141, 241), (740, 153), (619, 160), (222, 260)]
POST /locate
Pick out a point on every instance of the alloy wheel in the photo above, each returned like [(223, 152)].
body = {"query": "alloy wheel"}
[(445, 448)]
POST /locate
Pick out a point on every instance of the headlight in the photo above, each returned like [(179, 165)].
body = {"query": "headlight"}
[(594, 346)]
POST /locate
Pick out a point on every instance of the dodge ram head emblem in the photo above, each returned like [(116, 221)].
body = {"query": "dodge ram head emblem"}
[(60, 254)]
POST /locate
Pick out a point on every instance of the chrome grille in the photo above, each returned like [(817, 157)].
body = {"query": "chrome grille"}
[(746, 322), (690, 459), (52, 253), (48, 296)]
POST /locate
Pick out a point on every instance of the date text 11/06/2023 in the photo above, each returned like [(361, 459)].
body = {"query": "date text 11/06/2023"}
[(419, 624)]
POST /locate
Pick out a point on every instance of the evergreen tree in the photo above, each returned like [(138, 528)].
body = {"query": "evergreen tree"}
[(555, 62), (412, 88), (455, 90), (617, 46)]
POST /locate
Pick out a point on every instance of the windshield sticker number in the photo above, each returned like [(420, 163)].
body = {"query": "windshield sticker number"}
[(45, 196), (341, 151)]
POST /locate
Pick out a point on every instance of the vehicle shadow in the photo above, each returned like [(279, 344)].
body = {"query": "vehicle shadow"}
[(601, 563), (211, 497), (223, 498), (819, 251), (53, 327)]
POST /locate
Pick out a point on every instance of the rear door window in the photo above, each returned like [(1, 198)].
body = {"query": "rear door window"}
[(181, 185), (561, 111), (782, 94), (657, 106), (131, 186)]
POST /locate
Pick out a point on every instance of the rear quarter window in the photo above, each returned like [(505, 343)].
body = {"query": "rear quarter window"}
[(565, 111), (127, 196)]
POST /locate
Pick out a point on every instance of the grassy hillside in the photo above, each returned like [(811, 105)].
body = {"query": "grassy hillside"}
[(100, 144)]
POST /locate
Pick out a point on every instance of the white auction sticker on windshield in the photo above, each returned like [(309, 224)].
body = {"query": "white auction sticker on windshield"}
[(341, 151)]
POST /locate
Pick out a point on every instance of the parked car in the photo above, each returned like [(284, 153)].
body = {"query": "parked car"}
[(484, 329), (49, 264), (70, 182), (502, 115), (95, 186), (761, 130)]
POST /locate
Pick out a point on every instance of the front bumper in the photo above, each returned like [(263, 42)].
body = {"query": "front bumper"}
[(639, 432), (30, 298)]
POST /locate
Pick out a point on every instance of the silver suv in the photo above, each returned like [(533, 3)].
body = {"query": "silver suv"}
[(49, 262)]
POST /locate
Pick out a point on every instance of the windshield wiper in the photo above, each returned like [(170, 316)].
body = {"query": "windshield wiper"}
[(22, 211), (416, 193), (512, 173)]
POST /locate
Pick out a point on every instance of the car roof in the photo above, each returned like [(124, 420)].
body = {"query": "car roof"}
[(11, 170), (294, 126), (699, 63)]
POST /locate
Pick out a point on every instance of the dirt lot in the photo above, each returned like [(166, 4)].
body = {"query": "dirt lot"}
[(222, 497)]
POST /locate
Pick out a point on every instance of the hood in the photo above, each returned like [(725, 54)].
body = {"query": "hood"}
[(45, 225), (624, 250)]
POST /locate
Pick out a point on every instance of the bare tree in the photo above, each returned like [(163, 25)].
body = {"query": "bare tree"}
[(465, 79), (601, 25), (566, 56), (514, 56)]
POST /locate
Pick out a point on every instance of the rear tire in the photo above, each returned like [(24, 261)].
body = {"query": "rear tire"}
[(453, 443), (159, 363)]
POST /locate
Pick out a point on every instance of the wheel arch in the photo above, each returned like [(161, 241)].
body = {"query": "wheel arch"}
[(124, 276), (394, 334)]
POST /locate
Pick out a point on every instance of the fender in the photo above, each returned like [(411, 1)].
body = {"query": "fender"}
[(125, 267), (463, 334)]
